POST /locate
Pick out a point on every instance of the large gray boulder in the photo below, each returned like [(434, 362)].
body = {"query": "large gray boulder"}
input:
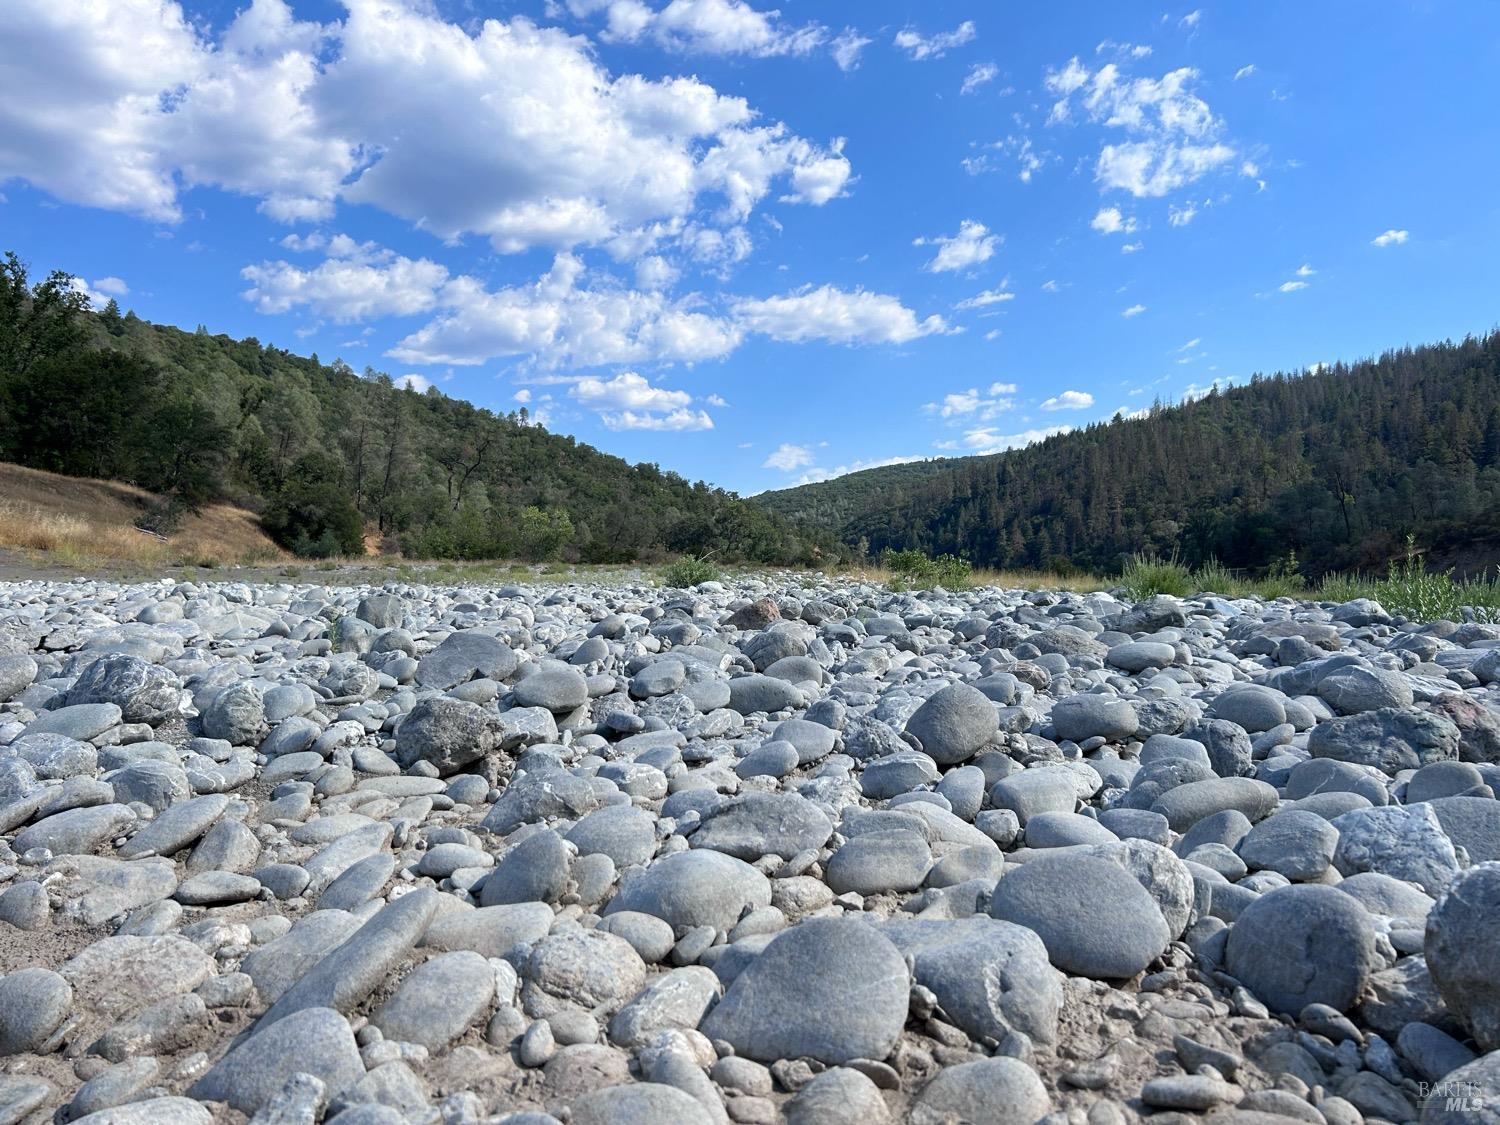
[(1093, 916), (448, 733), (831, 989), (693, 888), (954, 723), (144, 693), (1463, 951), (1302, 944), (1388, 738)]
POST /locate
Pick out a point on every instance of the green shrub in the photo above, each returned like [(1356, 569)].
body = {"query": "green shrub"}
[(1412, 591), (1338, 587), (1213, 577), (1060, 566), (1148, 575), (912, 570), (689, 571)]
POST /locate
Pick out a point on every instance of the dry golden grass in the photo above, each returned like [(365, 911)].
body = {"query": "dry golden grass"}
[(80, 522), (1005, 579)]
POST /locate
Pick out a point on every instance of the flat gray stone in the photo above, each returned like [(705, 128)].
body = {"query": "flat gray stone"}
[(759, 824), (464, 655), (313, 1040), (176, 827), (118, 976), (83, 721), (77, 831), (493, 931), (439, 1000), (353, 970)]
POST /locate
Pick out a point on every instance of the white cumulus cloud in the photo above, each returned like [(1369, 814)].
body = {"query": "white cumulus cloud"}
[(1174, 138), (971, 403), (979, 75), (985, 439), (837, 315), (788, 458), (502, 129), (628, 401), (972, 245), (356, 282), (1069, 400), (1391, 237), (1109, 220), (920, 46)]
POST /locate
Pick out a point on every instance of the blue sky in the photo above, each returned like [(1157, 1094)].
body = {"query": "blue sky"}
[(762, 247)]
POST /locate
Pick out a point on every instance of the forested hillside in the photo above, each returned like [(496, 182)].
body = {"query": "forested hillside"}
[(329, 456), (1336, 468)]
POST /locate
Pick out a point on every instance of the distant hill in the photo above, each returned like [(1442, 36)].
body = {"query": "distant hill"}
[(1335, 468), (855, 494), (331, 459)]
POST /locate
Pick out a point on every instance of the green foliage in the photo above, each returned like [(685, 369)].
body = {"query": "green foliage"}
[(311, 513), (541, 535), (1340, 587), (203, 418), (1335, 466), (1283, 579), (1060, 566), (1213, 577), (1411, 590), (914, 570), (1146, 576), (688, 571)]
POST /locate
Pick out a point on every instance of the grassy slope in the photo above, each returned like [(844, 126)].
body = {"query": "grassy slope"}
[(78, 521)]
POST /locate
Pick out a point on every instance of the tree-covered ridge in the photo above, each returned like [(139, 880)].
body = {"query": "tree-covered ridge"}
[(834, 503), (1336, 467), (329, 456)]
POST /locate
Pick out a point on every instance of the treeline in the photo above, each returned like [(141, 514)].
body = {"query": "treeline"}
[(1332, 470), (331, 458)]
